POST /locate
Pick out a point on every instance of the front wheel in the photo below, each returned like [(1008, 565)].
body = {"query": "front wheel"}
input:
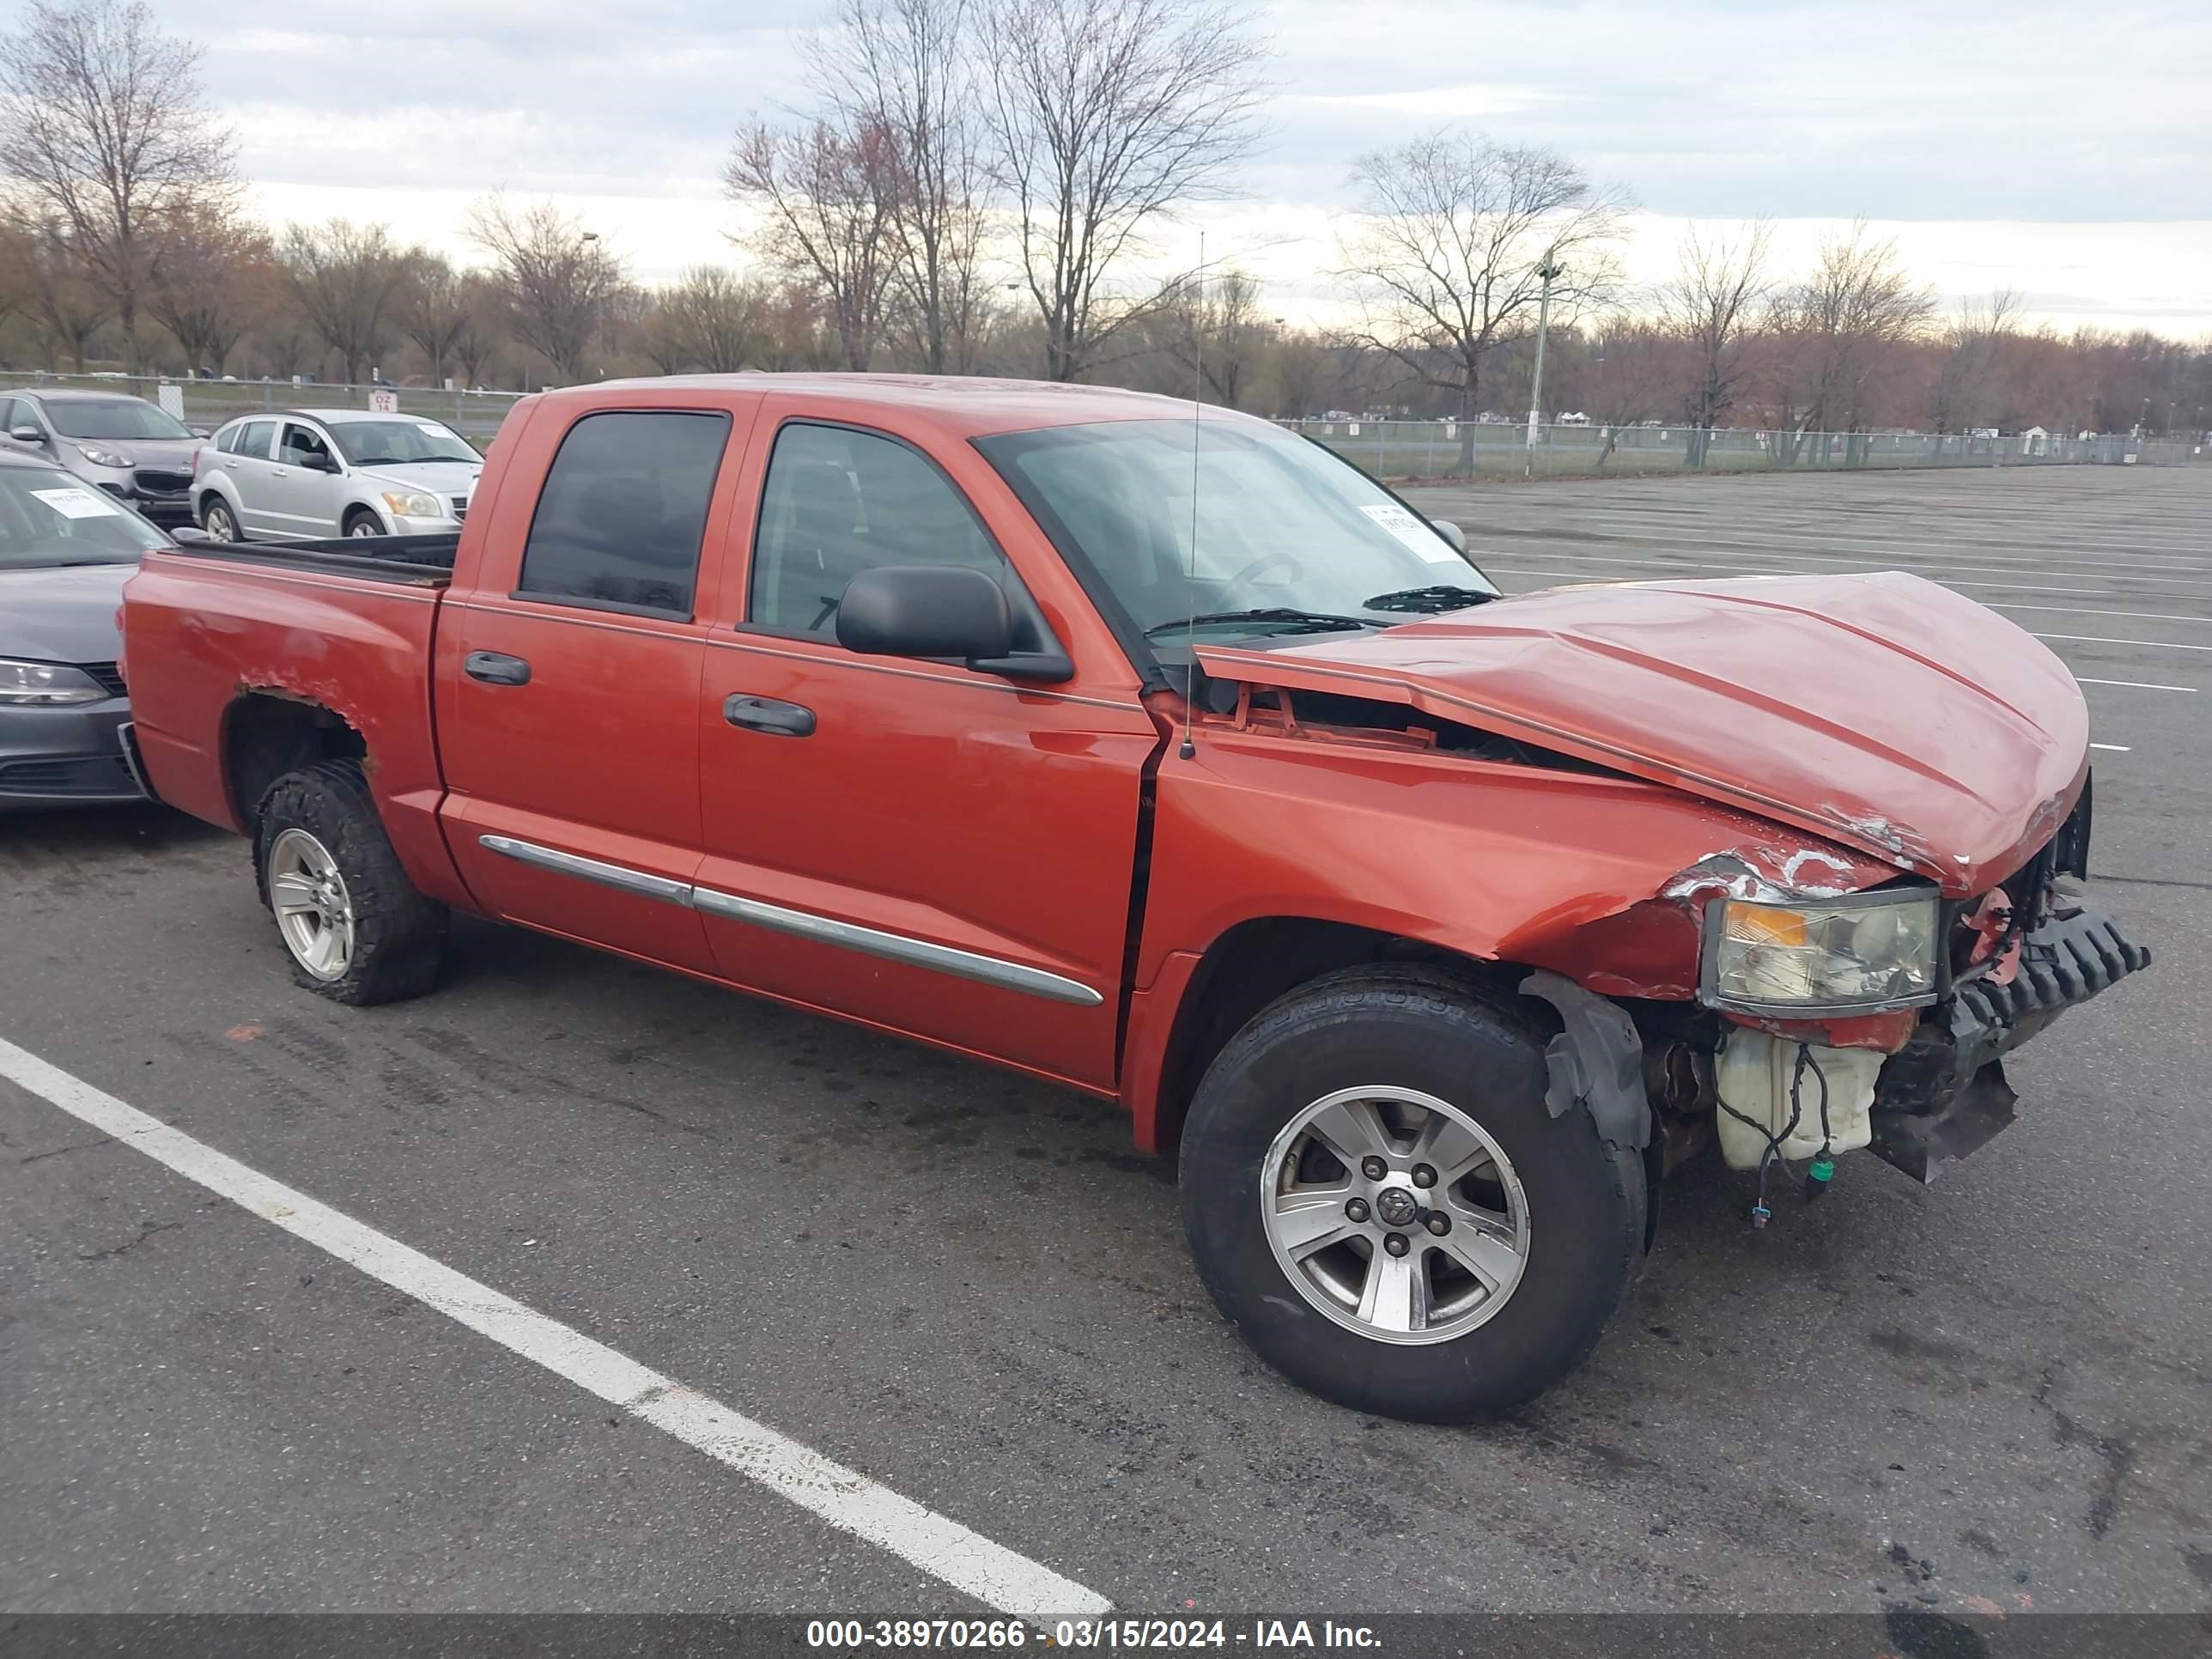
[(364, 523), (355, 927), (1375, 1192)]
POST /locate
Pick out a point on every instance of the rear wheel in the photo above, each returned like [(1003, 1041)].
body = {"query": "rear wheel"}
[(1376, 1193), (216, 518), (355, 928)]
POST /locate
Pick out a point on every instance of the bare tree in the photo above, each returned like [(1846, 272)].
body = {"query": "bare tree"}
[(1714, 302), (346, 281), (1837, 329), (1104, 116), (823, 193), (1971, 345), (1214, 330), (1633, 369), (67, 308), (560, 281), (903, 70), (479, 336), (712, 321), (215, 276), (435, 306), (1445, 254), (103, 132)]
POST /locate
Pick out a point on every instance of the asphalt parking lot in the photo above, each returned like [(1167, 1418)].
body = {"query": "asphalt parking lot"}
[(1989, 1395)]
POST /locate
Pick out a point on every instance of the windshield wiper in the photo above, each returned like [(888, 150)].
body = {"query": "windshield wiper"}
[(465, 460), (1292, 622), (1429, 600)]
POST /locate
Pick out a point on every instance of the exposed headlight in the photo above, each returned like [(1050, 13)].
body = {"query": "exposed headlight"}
[(413, 504), (46, 683), (1863, 953), (100, 457)]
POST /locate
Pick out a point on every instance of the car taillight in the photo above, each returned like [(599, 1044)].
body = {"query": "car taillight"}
[(196, 460)]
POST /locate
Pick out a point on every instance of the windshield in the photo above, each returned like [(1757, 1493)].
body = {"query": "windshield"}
[(112, 417), (400, 443), (48, 519), (1284, 527)]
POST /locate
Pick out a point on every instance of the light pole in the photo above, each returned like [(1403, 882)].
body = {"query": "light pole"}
[(1549, 270)]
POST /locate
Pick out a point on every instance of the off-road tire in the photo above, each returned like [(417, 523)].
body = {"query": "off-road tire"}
[(399, 935), (1428, 1030)]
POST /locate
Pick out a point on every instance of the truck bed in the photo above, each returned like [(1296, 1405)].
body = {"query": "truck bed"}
[(420, 561)]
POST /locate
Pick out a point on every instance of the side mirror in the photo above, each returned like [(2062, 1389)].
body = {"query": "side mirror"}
[(201, 431), (186, 535), (926, 610), (28, 435), (1451, 532), (320, 463)]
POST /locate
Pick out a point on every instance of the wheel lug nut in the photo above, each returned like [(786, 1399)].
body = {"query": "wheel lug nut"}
[(1373, 1168), (1357, 1210), (1439, 1223), (1424, 1176), (1396, 1244)]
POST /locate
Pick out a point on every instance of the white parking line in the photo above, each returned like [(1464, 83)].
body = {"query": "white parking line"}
[(2083, 611), (2103, 639), (2116, 748), (946, 1550), (2133, 685)]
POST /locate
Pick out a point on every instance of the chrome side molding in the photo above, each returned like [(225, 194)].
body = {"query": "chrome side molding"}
[(803, 924)]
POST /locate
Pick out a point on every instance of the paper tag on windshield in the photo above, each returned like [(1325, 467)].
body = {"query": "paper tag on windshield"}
[(76, 503), (430, 427), (1412, 531)]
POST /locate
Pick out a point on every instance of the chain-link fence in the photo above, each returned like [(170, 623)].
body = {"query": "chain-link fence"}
[(475, 415), (1438, 449)]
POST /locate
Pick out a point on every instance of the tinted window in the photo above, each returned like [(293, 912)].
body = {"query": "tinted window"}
[(256, 440), (623, 509), (11, 415), (302, 444), (48, 518), (114, 418), (389, 443), (838, 503)]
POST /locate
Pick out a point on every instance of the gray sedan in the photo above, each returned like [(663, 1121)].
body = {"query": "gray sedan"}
[(132, 449), (66, 550)]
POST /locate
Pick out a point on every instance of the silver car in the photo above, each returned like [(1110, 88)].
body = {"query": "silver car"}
[(134, 450), (66, 550), (296, 475)]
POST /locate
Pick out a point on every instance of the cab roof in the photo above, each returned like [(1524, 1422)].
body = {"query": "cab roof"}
[(958, 405)]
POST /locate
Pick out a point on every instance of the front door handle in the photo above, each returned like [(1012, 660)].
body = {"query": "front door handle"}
[(780, 719), (494, 668)]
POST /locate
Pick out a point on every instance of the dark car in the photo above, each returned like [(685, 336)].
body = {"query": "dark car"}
[(66, 550), (134, 450)]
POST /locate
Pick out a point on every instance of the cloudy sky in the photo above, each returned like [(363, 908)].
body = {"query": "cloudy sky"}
[(2059, 148)]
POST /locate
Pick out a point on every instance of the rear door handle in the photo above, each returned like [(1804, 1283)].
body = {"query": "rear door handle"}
[(780, 719), (494, 668)]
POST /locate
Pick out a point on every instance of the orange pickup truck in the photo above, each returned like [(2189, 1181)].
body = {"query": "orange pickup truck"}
[(1156, 752)]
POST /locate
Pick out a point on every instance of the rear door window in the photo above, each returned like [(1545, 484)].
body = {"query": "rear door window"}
[(255, 439), (623, 511)]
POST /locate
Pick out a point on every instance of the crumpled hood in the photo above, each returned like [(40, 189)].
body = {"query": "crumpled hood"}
[(1881, 711), (53, 614)]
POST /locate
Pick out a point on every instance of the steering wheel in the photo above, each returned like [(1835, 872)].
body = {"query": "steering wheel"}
[(1250, 572)]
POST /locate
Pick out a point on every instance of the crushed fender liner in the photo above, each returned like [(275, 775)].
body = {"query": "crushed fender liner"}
[(1596, 1061), (1944, 1095)]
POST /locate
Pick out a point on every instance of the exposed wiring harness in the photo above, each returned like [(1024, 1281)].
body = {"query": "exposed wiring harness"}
[(1822, 1166)]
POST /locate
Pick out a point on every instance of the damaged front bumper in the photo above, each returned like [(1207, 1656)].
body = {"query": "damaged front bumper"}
[(1943, 1094)]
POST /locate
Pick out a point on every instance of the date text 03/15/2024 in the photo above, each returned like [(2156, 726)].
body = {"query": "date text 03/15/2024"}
[(975, 1635)]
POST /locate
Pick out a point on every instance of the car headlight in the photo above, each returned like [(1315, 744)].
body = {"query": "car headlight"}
[(100, 457), (1861, 953), (46, 683), (413, 504)]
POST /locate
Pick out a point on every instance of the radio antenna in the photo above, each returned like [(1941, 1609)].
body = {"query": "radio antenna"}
[(1190, 582)]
